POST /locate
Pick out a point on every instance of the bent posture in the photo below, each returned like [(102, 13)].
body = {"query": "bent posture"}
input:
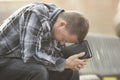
[(31, 41)]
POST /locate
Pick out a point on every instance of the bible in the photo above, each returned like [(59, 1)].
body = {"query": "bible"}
[(78, 48)]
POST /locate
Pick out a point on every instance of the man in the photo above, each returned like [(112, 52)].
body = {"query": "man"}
[(32, 39)]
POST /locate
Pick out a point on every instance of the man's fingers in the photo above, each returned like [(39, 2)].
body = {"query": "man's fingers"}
[(79, 55), (81, 61)]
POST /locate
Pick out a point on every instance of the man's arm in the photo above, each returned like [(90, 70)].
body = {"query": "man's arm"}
[(28, 34)]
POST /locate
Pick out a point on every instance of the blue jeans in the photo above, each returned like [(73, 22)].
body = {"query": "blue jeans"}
[(15, 69)]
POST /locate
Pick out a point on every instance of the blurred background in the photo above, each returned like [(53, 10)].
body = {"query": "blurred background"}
[(100, 13), (103, 16)]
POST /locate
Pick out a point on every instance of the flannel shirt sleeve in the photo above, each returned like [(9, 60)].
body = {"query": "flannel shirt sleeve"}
[(30, 40), (29, 31)]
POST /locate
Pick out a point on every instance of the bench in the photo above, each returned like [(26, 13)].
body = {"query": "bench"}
[(106, 56)]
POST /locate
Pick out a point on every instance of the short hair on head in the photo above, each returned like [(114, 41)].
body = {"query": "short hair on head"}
[(76, 24)]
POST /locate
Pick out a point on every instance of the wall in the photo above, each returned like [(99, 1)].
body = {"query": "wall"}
[(100, 13)]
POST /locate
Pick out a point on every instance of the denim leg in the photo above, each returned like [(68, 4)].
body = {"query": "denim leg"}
[(75, 75), (17, 70), (67, 74)]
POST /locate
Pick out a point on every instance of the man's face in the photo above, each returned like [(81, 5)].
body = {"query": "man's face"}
[(63, 36)]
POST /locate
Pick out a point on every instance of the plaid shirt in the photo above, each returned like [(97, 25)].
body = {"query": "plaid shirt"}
[(26, 34)]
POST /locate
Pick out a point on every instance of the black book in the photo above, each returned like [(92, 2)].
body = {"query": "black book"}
[(78, 48)]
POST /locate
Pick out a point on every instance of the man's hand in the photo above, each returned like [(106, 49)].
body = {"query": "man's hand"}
[(73, 62)]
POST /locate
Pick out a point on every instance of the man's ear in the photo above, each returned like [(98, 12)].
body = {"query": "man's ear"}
[(63, 23)]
